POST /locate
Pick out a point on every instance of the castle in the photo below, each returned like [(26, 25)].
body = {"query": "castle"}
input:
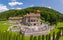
[(31, 19), (33, 24)]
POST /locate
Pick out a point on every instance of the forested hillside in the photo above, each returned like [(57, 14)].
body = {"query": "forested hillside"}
[(47, 14)]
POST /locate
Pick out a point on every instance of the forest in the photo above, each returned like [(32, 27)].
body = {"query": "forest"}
[(48, 15)]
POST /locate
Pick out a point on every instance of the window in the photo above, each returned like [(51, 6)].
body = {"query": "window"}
[(34, 24), (37, 20), (32, 20)]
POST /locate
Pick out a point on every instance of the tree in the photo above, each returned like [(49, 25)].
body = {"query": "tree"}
[(49, 15)]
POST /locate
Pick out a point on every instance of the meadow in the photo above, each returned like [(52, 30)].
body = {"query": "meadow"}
[(61, 38), (14, 35)]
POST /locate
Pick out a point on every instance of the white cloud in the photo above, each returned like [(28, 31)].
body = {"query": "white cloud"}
[(3, 8), (16, 8), (49, 7), (31, 5), (14, 3), (19, 8), (12, 8), (43, 5)]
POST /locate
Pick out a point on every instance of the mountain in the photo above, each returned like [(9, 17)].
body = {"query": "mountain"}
[(47, 14)]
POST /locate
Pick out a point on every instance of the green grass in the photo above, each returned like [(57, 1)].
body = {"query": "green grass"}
[(4, 25), (60, 24), (61, 38)]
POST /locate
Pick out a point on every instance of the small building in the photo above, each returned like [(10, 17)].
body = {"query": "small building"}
[(15, 19)]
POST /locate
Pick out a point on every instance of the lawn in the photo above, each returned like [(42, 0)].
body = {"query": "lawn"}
[(5, 24), (60, 24), (61, 38)]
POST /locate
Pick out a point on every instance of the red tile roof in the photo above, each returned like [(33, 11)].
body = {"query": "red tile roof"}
[(32, 14)]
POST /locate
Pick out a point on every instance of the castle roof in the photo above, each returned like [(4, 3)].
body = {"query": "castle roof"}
[(31, 15)]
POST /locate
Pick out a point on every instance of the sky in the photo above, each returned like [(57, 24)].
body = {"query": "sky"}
[(20, 4)]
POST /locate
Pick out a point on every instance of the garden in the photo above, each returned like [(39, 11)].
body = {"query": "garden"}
[(5, 34)]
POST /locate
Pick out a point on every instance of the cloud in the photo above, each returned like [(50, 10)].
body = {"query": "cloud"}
[(16, 8), (12, 8), (31, 5), (49, 7), (43, 5), (14, 3), (3, 8)]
